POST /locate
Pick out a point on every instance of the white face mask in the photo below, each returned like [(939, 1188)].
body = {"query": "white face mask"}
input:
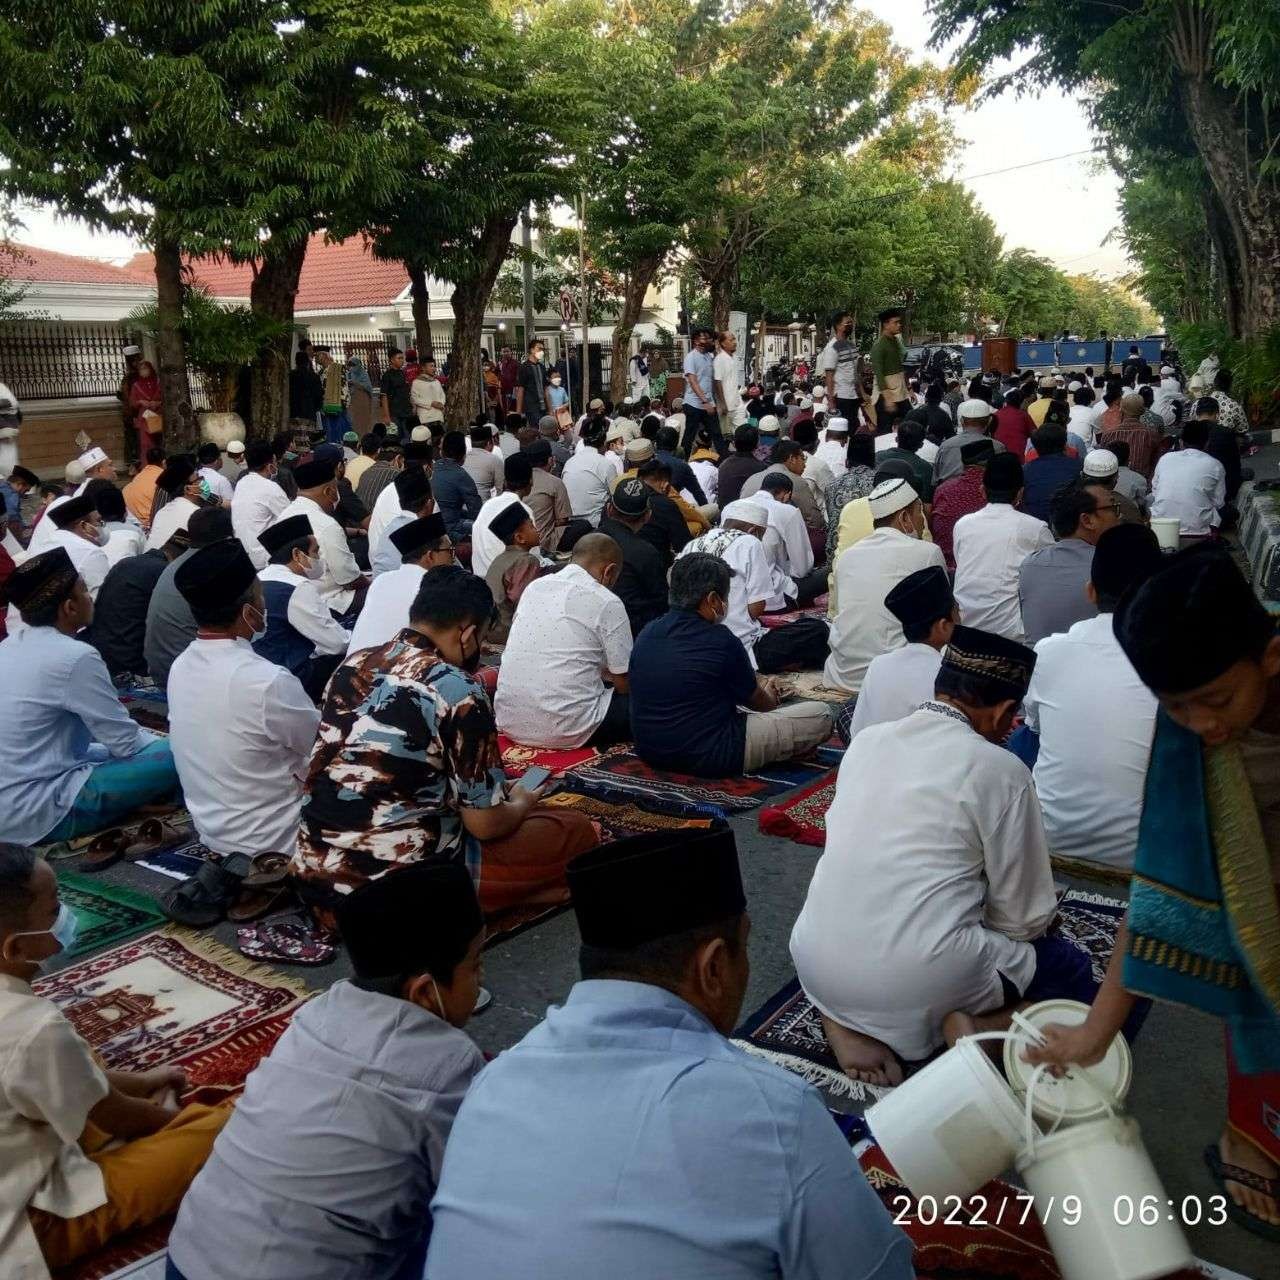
[(315, 569), (259, 632), (101, 534)]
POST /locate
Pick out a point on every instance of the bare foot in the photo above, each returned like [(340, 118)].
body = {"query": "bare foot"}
[(1238, 1151), (860, 1057), (957, 1025)]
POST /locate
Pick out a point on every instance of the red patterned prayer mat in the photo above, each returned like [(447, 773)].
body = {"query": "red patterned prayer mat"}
[(516, 758), (624, 818), (169, 997), (621, 776), (802, 818), (818, 609)]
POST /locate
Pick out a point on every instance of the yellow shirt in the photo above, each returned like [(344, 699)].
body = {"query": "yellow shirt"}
[(1038, 410), (357, 467)]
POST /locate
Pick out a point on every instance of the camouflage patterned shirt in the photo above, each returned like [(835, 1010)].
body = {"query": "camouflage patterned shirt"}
[(406, 742)]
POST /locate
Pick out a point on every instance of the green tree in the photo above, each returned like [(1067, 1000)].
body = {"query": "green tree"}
[(1030, 294)]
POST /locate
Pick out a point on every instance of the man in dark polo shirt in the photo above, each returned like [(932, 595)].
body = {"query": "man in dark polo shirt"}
[(397, 406), (642, 584), (119, 627)]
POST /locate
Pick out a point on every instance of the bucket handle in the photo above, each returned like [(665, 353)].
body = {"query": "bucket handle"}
[(1079, 1073)]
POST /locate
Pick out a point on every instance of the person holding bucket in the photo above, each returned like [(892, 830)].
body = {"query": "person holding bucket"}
[(1203, 927)]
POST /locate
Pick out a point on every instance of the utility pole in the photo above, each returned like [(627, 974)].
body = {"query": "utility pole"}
[(584, 362), (526, 241)]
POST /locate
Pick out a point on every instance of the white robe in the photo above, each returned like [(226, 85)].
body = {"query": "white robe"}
[(896, 683), (934, 878), (386, 607)]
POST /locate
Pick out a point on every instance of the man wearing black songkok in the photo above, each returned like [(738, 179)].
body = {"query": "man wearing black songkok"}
[(1203, 927), (627, 1119), (382, 1058)]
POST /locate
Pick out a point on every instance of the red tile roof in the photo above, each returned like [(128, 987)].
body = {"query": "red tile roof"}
[(335, 277), (45, 266)]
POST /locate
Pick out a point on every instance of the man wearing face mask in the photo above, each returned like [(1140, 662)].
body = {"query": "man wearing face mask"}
[(407, 769), (241, 726), (82, 535), (531, 386), (257, 500), (302, 634), (75, 761), (57, 1103), (342, 585)]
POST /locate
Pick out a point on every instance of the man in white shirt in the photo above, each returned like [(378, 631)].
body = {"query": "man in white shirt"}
[(787, 541), (864, 628), (210, 456), (929, 903), (1190, 486), (563, 678), (833, 452), (486, 546), (901, 680), (81, 534), (302, 635), (386, 506), (423, 544), (588, 474), (94, 464), (1081, 421), (1094, 716), (241, 727), (483, 462), (186, 490), (728, 394), (257, 500), (427, 394), (124, 536), (343, 584), (412, 490), (990, 546)]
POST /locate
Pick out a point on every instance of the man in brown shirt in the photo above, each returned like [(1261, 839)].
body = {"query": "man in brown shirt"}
[(548, 499)]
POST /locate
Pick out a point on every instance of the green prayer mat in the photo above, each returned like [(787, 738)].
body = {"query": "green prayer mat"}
[(106, 913)]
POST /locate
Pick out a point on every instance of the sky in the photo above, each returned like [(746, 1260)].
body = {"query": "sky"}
[(1063, 211)]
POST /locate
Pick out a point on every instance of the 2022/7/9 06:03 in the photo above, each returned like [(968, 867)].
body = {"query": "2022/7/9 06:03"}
[(978, 1211)]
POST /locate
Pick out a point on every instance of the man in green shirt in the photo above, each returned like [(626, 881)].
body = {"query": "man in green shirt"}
[(887, 355)]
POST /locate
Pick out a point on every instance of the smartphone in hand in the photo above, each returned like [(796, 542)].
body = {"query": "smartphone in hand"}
[(533, 778)]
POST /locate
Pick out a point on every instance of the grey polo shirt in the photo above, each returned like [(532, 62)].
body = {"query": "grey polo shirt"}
[(171, 626), (1051, 587)]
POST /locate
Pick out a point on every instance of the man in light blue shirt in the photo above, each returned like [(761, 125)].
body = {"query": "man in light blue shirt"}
[(699, 388), (74, 760), (625, 1137)]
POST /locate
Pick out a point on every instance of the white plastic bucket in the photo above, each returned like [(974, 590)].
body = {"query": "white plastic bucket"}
[(953, 1126), (1084, 1093), (1104, 1166), (1168, 532)]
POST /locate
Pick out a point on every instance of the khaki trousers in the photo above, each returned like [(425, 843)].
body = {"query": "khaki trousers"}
[(785, 733)]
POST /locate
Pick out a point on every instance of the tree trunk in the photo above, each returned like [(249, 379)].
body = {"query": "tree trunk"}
[(722, 288), (469, 300), (171, 351), (274, 288), (421, 307), (1251, 208), (639, 278), (1229, 273)]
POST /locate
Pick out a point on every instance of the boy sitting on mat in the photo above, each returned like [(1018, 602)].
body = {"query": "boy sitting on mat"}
[(63, 1195)]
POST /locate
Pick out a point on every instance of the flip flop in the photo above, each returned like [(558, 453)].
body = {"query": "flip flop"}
[(1222, 1173), (104, 851), (151, 836), (267, 870), (204, 899), (253, 904)]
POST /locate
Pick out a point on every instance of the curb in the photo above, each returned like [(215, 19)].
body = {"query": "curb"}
[(1259, 533)]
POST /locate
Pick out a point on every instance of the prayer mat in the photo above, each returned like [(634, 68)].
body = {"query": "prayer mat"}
[(171, 996), (810, 686), (818, 609), (1082, 869), (106, 913), (516, 759), (802, 817), (619, 819), (787, 1029), (621, 776), (179, 863)]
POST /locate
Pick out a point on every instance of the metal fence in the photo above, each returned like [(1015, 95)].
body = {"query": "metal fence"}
[(56, 360)]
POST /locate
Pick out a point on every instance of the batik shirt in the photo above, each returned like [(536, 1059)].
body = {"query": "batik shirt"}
[(857, 482), (406, 742)]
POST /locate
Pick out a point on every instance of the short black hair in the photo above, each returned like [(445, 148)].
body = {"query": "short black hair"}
[(155, 457), (482, 435), (449, 595), (1084, 396), (17, 866), (1049, 439), (1120, 448), (1069, 503), (662, 961), (1196, 433), (258, 455), (695, 576), (370, 443), (784, 450), (1223, 379), (1207, 404), (746, 438), (108, 500), (209, 525), (454, 446), (911, 434), (207, 453), (777, 482), (666, 439), (860, 451), (221, 616)]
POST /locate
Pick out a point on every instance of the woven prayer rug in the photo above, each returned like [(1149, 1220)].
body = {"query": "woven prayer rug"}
[(1083, 869), (787, 1029), (516, 759), (621, 776), (168, 997), (802, 817), (810, 686), (619, 819), (106, 913), (818, 609)]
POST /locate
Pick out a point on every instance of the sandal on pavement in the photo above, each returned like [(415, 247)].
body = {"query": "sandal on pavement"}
[(1222, 1173), (104, 851), (204, 899)]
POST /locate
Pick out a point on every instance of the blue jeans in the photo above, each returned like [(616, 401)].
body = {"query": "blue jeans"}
[(116, 787)]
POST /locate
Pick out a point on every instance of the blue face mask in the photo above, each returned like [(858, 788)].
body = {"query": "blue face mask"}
[(63, 930)]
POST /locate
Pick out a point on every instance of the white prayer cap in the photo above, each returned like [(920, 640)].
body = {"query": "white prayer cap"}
[(819, 392), (235, 446), (93, 458), (73, 473), (975, 409), (420, 434), (1166, 371), (674, 422), (806, 402), (890, 496), (837, 424), (1196, 383), (747, 512), (1101, 463), (615, 433), (1075, 385), (769, 425), (132, 351)]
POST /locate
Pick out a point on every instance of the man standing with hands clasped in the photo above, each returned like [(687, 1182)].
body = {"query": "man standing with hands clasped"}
[(887, 356)]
